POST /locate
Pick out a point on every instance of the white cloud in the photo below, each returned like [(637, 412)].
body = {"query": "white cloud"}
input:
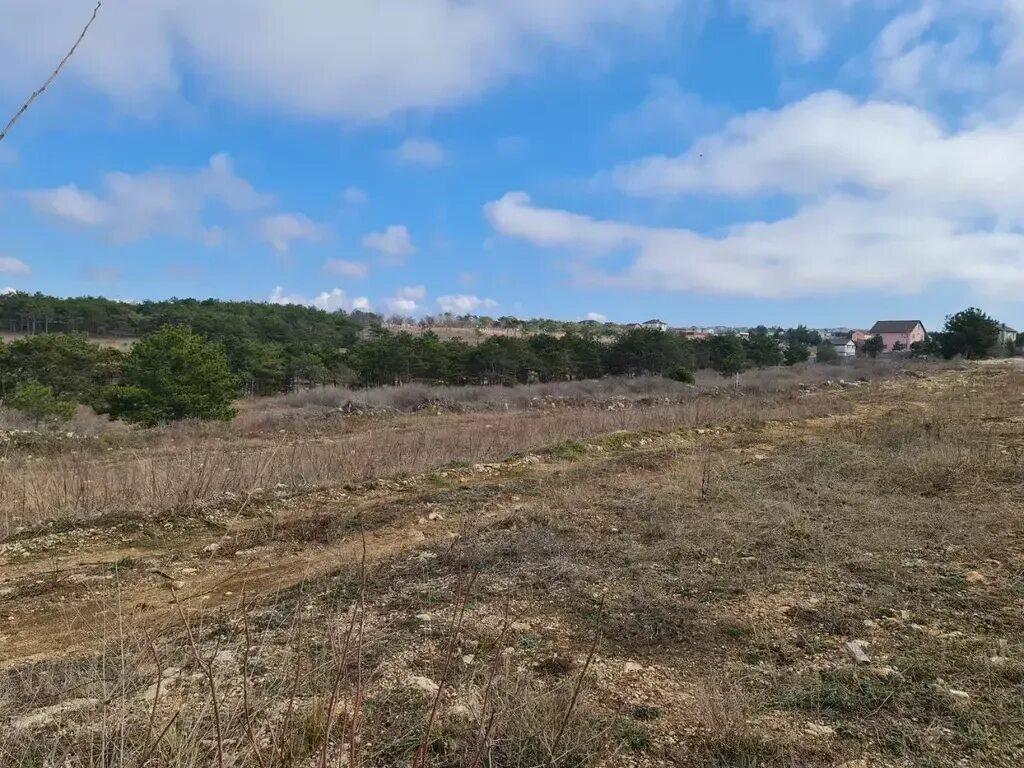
[(132, 207), (355, 196), (422, 152), (829, 142), (360, 60), (407, 300), (12, 266), (462, 304), (597, 317), (343, 268), (803, 25), (283, 229), (835, 245), (6, 290), (915, 64), (394, 242), (329, 301)]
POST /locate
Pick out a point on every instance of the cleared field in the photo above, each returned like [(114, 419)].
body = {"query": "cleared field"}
[(813, 576)]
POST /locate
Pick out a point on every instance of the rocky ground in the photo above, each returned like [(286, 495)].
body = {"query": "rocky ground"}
[(841, 589)]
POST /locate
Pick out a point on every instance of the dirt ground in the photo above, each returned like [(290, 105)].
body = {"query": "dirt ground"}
[(845, 589)]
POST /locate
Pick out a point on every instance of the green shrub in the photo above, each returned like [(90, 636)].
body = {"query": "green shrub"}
[(174, 374), (39, 403)]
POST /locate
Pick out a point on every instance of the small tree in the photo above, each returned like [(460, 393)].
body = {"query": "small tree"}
[(898, 346), (797, 352), (728, 355), (874, 346), (827, 353), (971, 334), (38, 402), (174, 374)]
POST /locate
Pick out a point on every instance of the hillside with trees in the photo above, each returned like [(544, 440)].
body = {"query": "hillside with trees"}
[(194, 357)]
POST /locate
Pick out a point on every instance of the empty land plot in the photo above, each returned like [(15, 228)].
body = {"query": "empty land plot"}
[(829, 578)]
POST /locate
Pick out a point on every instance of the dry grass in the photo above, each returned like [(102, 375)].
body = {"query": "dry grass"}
[(725, 568), (185, 466)]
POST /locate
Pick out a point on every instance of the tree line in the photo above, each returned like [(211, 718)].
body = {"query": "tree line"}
[(194, 358)]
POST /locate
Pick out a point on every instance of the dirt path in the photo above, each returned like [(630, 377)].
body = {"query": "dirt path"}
[(62, 592)]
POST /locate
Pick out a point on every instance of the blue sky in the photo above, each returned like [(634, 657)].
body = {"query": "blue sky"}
[(828, 162)]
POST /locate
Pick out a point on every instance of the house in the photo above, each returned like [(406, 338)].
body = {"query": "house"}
[(1007, 334), (655, 325), (899, 334), (843, 346), (859, 337)]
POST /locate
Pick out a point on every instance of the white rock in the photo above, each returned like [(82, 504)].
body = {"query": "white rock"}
[(961, 696), (814, 729), (856, 649), (424, 684), (47, 715), (631, 667)]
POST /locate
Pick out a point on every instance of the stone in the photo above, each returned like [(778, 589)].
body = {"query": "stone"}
[(961, 697), (632, 667), (469, 658), (435, 516), (424, 617), (814, 729), (856, 650), (975, 577), (424, 684), (46, 715)]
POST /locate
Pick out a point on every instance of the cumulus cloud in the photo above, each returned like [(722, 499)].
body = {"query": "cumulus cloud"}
[(343, 268), (131, 207), (6, 290), (359, 60), (463, 304), (837, 244), (597, 317), (355, 196), (422, 152), (12, 266), (283, 229), (394, 242), (407, 300), (830, 142), (329, 301)]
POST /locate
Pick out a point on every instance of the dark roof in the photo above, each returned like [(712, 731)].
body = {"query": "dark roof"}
[(839, 341), (895, 326), (655, 322)]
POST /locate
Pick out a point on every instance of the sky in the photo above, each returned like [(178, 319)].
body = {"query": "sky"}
[(706, 162)]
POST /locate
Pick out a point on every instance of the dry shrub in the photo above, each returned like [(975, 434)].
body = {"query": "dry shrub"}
[(185, 471)]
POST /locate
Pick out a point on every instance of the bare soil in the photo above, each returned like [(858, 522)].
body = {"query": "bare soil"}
[(839, 584)]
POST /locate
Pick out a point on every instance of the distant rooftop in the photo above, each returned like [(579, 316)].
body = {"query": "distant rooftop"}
[(895, 326)]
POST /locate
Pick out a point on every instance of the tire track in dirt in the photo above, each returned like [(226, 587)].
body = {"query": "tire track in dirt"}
[(73, 602)]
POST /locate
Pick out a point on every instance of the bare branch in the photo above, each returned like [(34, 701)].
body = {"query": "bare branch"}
[(39, 92)]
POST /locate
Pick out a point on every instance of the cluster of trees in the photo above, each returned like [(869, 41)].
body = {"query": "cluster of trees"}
[(195, 357), (970, 334), (175, 372)]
